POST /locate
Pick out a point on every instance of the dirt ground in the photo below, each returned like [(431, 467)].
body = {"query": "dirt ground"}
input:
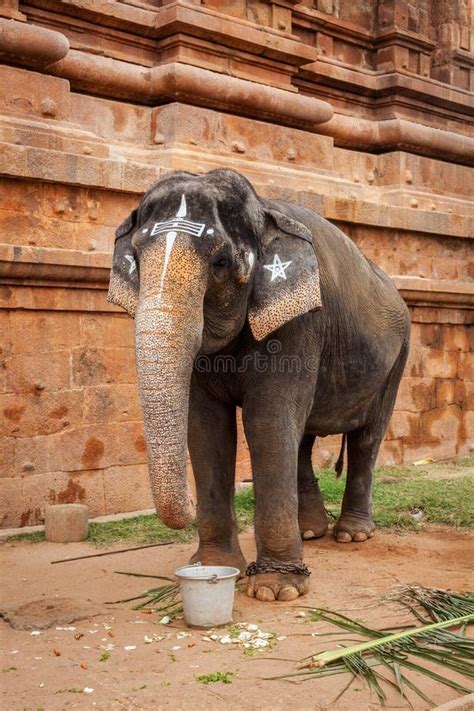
[(59, 669)]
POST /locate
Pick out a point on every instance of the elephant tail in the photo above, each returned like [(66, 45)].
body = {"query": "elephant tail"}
[(339, 466)]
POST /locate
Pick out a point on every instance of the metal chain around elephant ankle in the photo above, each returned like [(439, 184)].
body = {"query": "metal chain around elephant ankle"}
[(275, 567)]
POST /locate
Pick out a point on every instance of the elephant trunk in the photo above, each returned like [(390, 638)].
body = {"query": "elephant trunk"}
[(168, 333)]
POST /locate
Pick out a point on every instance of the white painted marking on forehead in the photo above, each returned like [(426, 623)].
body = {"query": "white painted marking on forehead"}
[(251, 258), (210, 231), (191, 228), (182, 212), (170, 238)]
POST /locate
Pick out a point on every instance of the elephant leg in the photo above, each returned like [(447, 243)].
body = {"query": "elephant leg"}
[(312, 517), (212, 441), (274, 453), (355, 522)]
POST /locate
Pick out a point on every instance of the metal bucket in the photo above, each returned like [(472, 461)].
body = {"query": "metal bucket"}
[(207, 592)]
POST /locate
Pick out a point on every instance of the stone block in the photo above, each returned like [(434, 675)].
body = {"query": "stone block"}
[(98, 366), (29, 93), (441, 364), (136, 177), (429, 335), (31, 456), (21, 196), (443, 269), (37, 372), (445, 392), (432, 363), (243, 467), (36, 231), (468, 422), (391, 453), (12, 508), (7, 454), (97, 446), (13, 160), (66, 523), (41, 490), (464, 394), (112, 207), (115, 331), (324, 44), (281, 18), (27, 415), (326, 6), (112, 120), (455, 338), (442, 424), (405, 426), (32, 333), (326, 451), (127, 488), (351, 54), (416, 394), (111, 403), (434, 450), (386, 59), (466, 366), (357, 13), (224, 134), (88, 236)]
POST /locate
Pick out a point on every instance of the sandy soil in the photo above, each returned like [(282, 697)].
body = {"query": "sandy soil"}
[(41, 671)]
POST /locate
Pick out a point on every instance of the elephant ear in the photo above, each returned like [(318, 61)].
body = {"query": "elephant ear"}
[(124, 283), (286, 281)]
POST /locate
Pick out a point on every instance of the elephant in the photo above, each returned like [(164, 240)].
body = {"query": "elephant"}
[(313, 336)]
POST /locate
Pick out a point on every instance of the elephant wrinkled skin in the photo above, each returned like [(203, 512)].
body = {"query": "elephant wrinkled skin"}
[(263, 305)]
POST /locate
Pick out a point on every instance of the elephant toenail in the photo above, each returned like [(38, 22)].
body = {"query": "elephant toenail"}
[(343, 537), (287, 593), (359, 536), (371, 534), (309, 534), (265, 594), (249, 592)]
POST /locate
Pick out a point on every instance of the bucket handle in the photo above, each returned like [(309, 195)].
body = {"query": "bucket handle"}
[(212, 580)]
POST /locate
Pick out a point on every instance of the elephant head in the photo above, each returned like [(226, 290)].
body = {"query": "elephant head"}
[(197, 258)]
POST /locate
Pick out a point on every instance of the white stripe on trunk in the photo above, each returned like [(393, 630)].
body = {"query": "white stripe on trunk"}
[(170, 238)]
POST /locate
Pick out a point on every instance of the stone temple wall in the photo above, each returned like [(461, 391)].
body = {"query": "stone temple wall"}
[(359, 109)]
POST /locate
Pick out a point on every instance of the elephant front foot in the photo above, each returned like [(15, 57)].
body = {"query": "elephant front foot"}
[(312, 516), (276, 585), (216, 556), (353, 527)]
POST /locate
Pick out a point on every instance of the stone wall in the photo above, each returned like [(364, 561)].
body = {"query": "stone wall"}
[(356, 108)]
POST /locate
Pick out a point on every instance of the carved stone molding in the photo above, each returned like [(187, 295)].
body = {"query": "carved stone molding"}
[(35, 46), (52, 269)]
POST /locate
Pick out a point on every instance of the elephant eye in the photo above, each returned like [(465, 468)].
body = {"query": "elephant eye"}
[(220, 266), (221, 262)]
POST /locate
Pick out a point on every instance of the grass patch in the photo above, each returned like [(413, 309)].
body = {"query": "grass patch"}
[(467, 461), (147, 528), (36, 537), (399, 492), (224, 677), (139, 529)]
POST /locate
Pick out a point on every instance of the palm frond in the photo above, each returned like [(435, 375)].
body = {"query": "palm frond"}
[(433, 642), (165, 599)]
